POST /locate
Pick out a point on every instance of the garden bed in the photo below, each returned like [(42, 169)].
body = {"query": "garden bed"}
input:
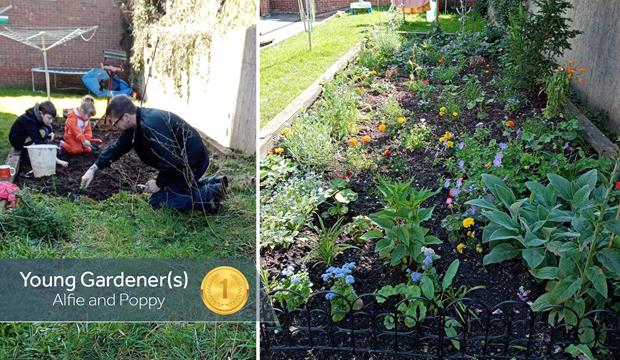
[(124, 174), (434, 113)]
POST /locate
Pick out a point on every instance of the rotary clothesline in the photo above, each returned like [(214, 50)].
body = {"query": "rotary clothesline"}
[(46, 39)]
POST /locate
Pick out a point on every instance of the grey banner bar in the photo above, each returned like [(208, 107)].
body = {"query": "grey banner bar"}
[(114, 290)]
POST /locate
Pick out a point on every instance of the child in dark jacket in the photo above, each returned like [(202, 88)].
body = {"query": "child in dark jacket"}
[(34, 127)]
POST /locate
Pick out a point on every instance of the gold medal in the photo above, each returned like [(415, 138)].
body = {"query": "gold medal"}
[(224, 290)]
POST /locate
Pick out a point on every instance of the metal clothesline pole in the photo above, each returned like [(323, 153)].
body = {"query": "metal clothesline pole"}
[(47, 73)]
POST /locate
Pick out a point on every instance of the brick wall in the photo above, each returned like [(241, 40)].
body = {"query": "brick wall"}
[(264, 8), (323, 6), (17, 59)]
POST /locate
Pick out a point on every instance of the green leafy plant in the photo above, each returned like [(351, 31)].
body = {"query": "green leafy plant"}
[(357, 228), (557, 86), (403, 236), (341, 295), (564, 233), (380, 48), (286, 210), (445, 74), (340, 196), (310, 142), (338, 108), (416, 137), (33, 219), (274, 169), (296, 287), (327, 248)]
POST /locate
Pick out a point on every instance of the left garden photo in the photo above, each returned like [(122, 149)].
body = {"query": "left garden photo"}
[(128, 131)]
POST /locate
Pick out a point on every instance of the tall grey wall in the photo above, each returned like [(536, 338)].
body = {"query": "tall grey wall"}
[(598, 49)]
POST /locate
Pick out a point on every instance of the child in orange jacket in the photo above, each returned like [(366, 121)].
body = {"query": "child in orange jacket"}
[(78, 138)]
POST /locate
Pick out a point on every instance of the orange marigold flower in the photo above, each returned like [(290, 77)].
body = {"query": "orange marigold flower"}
[(510, 124), (352, 142), (583, 69), (487, 164), (278, 150), (570, 69), (441, 60), (382, 127), (387, 153), (570, 76), (366, 138)]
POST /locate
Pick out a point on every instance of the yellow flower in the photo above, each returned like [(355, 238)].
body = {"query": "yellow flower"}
[(373, 72), (352, 142), (401, 119), (366, 138), (460, 248), (286, 132), (442, 139), (442, 113), (442, 109), (450, 144), (382, 127), (467, 222), (479, 249), (448, 135), (455, 114), (278, 150)]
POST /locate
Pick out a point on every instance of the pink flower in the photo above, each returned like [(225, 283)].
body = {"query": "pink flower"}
[(449, 201)]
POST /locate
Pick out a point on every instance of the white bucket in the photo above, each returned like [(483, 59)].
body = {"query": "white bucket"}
[(42, 159)]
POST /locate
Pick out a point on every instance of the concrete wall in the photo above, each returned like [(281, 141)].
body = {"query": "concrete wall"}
[(222, 100), (598, 49), (17, 59)]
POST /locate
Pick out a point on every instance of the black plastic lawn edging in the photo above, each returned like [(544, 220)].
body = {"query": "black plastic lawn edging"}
[(508, 330)]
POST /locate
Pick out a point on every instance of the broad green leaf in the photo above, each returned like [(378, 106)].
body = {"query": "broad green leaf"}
[(550, 195), (570, 318), (596, 276), (610, 258), (432, 240), (372, 234), (516, 207), (488, 231), (397, 255), (505, 195), (566, 288), (538, 190), (383, 246), (483, 204), (581, 349), (500, 253), (501, 219), (490, 181), (567, 267), (345, 196), (426, 213), (503, 233), (382, 219), (428, 288), (533, 257), (546, 273), (580, 197), (450, 273), (586, 332), (561, 186), (542, 303), (588, 179), (451, 333), (531, 240), (613, 226)]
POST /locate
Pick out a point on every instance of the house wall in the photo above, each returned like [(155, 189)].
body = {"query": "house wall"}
[(323, 6), (17, 59)]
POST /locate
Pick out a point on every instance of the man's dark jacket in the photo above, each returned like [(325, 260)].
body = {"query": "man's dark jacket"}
[(27, 126), (164, 141)]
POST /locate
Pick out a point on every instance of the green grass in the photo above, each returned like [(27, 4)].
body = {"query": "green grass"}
[(127, 341), (288, 68), (124, 226), (14, 102)]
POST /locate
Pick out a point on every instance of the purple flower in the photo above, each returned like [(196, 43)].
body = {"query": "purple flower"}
[(503, 146), (330, 295), (416, 276), (295, 279), (565, 146), (461, 145), (446, 184), (519, 132), (497, 162), (459, 183), (454, 192), (349, 279), (428, 260), (497, 312), (462, 164), (522, 293)]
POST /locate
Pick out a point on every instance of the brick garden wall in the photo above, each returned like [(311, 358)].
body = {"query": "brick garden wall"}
[(17, 59)]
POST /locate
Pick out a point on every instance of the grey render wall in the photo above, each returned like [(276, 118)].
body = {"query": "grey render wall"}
[(598, 49)]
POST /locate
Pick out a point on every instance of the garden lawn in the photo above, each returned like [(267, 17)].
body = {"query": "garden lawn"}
[(14, 102), (288, 68)]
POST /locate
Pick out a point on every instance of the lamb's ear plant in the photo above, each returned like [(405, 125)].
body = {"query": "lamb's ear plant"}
[(565, 233), (402, 236)]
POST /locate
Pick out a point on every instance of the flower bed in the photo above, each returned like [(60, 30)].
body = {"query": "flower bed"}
[(403, 181)]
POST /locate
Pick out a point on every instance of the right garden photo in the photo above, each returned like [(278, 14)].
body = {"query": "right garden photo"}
[(439, 179)]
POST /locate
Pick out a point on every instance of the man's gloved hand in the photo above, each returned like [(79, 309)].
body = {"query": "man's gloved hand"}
[(51, 136), (96, 141), (86, 143), (151, 187), (88, 176)]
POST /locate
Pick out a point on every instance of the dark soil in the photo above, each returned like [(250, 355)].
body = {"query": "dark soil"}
[(124, 174)]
